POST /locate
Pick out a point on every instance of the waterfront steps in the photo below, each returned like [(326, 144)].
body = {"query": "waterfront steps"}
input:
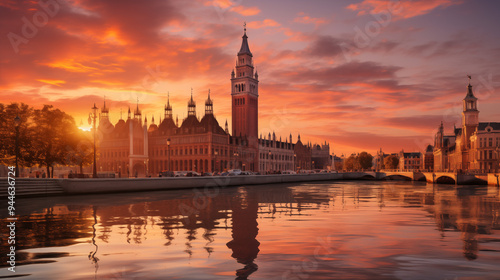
[(32, 187)]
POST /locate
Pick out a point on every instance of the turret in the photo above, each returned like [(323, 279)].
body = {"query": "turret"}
[(191, 106)]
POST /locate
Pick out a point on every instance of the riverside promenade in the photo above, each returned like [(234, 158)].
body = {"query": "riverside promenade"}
[(48, 187)]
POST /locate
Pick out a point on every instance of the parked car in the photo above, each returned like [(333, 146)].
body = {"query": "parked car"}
[(180, 173), (288, 172), (207, 174), (192, 174), (166, 174), (235, 171), (246, 173)]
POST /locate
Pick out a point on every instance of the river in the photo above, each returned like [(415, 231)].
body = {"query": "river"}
[(325, 230)]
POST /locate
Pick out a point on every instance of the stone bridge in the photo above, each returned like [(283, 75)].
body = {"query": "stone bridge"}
[(431, 177)]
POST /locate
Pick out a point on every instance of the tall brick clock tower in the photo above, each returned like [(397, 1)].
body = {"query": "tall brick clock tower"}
[(245, 94)]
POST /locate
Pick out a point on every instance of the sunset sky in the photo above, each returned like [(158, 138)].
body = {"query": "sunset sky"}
[(362, 75)]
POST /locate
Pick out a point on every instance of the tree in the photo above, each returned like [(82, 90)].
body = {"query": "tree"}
[(8, 134), (80, 150), (338, 166), (54, 137), (365, 160), (391, 162), (351, 163)]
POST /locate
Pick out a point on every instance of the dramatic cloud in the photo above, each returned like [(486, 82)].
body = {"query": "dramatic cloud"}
[(400, 9), (391, 92)]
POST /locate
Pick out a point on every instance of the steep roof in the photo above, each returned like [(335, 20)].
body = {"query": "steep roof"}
[(245, 49), (167, 124), (210, 124), (190, 125)]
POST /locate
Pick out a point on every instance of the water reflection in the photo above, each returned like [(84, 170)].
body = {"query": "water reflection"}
[(225, 235), (244, 245)]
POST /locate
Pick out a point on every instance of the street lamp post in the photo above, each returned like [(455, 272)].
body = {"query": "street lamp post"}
[(93, 115), (168, 151), (17, 122), (498, 158), (270, 161), (235, 154), (295, 162), (215, 157)]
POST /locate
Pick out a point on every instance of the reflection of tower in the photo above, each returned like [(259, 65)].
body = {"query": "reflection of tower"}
[(470, 241), (244, 245)]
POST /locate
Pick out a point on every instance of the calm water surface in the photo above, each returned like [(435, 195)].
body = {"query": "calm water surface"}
[(339, 230)]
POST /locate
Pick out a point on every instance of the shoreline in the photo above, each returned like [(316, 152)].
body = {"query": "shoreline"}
[(30, 187)]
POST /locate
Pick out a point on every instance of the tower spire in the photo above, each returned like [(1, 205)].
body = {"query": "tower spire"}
[(209, 105), (191, 106), (168, 108), (244, 44)]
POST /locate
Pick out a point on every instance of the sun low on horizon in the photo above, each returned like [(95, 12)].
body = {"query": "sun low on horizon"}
[(361, 75)]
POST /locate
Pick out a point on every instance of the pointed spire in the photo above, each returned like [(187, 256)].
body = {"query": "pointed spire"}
[(177, 120), (209, 100), (227, 128), (244, 44), (104, 109), (168, 108), (153, 119), (137, 112), (191, 106), (129, 113), (470, 94), (209, 105), (168, 101)]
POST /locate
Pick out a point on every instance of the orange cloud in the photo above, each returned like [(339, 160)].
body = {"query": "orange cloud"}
[(263, 23), (305, 19), (246, 11), (401, 9), (58, 83)]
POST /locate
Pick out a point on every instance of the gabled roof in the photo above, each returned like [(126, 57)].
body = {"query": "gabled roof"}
[(484, 125)]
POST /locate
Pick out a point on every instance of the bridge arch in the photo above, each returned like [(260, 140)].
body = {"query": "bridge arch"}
[(397, 177), (367, 177), (445, 180)]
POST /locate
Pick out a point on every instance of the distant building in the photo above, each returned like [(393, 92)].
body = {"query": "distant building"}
[(474, 146), (276, 155), (429, 158), (321, 156), (410, 161), (378, 160), (303, 155)]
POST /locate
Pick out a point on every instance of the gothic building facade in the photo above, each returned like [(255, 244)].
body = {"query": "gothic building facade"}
[(132, 148), (474, 146)]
